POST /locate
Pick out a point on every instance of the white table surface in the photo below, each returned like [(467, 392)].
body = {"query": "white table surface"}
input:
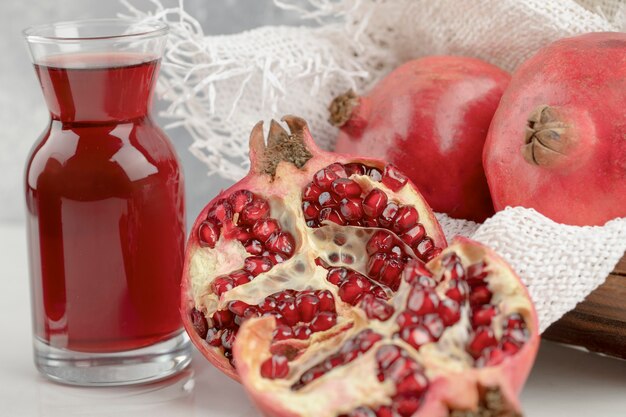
[(565, 382)]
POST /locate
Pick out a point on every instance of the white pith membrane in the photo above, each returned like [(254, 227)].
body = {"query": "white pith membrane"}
[(354, 384)]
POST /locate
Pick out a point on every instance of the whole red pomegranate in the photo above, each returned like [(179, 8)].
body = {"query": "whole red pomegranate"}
[(429, 117), (309, 275), (557, 142)]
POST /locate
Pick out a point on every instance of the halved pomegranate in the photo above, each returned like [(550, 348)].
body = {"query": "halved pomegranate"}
[(457, 338), (316, 241)]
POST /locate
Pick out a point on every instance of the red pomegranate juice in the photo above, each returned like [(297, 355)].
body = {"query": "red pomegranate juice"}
[(105, 205)]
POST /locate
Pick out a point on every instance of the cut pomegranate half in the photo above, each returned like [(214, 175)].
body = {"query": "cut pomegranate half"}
[(310, 238), (440, 352)]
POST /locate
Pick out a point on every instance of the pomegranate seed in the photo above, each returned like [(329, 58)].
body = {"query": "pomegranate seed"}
[(326, 200), (367, 222), (338, 169), (323, 321), (413, 384), (480, 295), (519, 336), (355, 169), (514, 321), (222, 211), (344, 187), (457, 290), (405, 219), (416, 336), (264, 228), (254, 211), (277, 258), (413, 235), (285, 295), (287, 308), (325, 177), (490, 357), (332, 215), (375, 174), (379, 292), (239, 199), (406, 406), (240, 234), (397, 252), (275, 367), (311, 192), (374, 203), (476, 274), (402, 367), (509, 347), (375, 308), (454, 270), (310, 210), (327, 301), (352, 287), (389, 213), (414, 270), (223, 319), (483, 315), (254, 247), (250, 312), (238, 307), (423, 248), (375, 264), (301, 332), (308, 306), (256, 265), (449, 311), (268, 305), (385, 411), (281, 242), (381, 241), (390, 273), (393, 178), (482, 339), (337, 275), (351, 208), (208, 234), (199, 323), (435, 325), (240, 277), (386, 355), (228, 338), (214, 337), (407, 318), (422, 301), (282, 332), (222, 284)]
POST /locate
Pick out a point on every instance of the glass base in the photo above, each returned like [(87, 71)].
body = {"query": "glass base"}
[(129, 367)]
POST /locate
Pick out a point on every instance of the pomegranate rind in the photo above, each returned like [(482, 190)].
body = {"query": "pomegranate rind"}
[(285, 182), (448, 391)]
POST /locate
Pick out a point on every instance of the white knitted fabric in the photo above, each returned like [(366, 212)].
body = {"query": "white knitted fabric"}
[(220, 86)]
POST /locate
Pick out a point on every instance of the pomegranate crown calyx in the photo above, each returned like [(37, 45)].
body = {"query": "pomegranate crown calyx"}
[(294, 146), (546, 137), (342, 107)]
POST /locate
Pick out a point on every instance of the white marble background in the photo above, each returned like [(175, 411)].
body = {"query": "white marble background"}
[(23, 114)]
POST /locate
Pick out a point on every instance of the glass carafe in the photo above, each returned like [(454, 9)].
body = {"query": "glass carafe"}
[(105, 209)]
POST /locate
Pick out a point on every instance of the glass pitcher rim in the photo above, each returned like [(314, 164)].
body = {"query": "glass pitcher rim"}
[(145, 29)]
